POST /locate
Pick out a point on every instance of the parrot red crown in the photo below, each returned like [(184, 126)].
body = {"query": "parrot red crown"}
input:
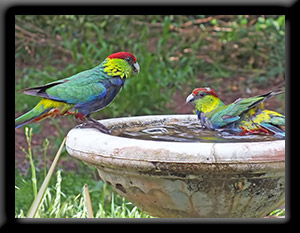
[(207, 90), (122, 55)]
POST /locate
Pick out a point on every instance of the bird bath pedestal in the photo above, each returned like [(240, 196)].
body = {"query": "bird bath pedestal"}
[(185, 179)]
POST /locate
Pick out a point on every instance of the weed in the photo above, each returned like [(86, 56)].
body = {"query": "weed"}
[(57, 199), (28, 134)]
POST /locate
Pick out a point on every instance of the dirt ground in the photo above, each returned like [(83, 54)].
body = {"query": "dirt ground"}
[(178, 106)]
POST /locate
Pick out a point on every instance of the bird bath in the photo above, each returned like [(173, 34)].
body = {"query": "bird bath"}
[(185, 179)]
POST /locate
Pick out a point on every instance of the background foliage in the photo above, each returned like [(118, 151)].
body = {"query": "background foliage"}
[(172, 51), (237, 55)]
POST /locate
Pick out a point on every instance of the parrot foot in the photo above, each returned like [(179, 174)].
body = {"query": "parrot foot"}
[(92, 123)]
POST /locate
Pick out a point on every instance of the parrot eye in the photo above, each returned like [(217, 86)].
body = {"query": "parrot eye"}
[(128, 59), (201, 94)]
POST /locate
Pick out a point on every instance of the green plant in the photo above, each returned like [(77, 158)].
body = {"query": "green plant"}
[(45, 148), (38, 198), (173, 51), (105, 203), (59, 200), (278, 212), (28, 134)]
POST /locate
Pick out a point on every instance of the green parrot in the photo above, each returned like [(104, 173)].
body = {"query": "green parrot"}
[(82, 93), (242, 117)]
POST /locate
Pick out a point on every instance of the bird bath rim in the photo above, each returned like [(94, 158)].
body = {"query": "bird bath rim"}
[(116, 148)]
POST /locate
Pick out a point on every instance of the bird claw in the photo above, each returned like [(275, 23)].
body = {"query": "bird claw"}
[(96, 125)]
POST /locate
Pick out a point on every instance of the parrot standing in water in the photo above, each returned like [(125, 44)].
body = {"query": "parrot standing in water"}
[(82, 93), (244, 116)]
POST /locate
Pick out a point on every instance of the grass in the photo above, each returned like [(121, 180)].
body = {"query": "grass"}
[(58, 199), (58, 204), (39, 197), (28, 134), (278, 212), (176, 53)]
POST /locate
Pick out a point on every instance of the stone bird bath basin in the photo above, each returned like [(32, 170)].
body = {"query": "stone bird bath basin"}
[(185, 179)]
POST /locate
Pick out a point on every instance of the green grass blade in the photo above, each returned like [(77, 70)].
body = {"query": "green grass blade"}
[(37, 201)]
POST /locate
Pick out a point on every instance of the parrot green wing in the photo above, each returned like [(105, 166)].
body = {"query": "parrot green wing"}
[(228, 114), (79, 88), (84, 87)]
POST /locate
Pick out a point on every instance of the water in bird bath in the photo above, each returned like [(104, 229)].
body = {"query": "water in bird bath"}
[(182, 131)]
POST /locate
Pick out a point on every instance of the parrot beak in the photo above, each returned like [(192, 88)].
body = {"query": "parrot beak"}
[(136, 68), (190, 98)]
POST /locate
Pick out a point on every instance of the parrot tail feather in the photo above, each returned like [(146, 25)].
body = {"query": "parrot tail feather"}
[(39, 112), (32, 115), (45, 108), (272, 128)]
